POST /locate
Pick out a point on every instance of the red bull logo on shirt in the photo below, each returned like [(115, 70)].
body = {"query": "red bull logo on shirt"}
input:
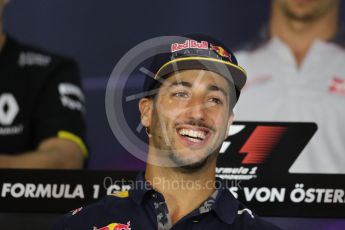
[(115, 226)]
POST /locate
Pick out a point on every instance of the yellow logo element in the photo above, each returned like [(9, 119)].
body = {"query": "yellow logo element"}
[(120, 194)]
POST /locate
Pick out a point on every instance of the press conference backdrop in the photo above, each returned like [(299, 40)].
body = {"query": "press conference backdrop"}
[(98, 33)]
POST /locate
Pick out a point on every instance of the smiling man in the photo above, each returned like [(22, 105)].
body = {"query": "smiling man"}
[(187, 113), (188, 119)]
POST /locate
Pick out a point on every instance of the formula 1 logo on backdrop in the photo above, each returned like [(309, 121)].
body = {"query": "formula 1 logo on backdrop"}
[(256, 150), (259, 145)]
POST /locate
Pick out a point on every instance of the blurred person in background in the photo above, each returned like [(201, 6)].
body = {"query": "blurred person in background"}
[(41, 107), (296, 73)]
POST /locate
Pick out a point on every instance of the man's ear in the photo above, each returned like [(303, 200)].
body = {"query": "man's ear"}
[(230, 120), (145, 107)]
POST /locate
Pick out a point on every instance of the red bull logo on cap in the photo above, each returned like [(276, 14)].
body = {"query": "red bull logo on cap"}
[(189, 44), (115, 226), (220, 50)]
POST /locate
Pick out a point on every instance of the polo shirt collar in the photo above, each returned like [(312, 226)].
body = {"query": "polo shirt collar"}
[(140, 188), (225, 205)]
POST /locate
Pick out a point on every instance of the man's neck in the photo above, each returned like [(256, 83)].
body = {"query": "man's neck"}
[(298, 34), (183, 191)]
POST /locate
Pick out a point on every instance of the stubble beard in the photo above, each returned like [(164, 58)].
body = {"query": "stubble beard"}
[(172, 154), (186, 167), (164, 143)]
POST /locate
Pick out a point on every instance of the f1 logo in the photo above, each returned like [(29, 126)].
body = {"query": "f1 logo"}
[(259, 144), (8, 109), (234, 129)]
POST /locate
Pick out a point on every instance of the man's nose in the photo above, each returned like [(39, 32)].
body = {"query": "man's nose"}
[(196, 109)]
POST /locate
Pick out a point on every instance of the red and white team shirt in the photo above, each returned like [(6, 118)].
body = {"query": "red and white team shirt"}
[(278, 89)]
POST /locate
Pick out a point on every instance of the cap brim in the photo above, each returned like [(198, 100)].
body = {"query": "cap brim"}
[(228, 70)]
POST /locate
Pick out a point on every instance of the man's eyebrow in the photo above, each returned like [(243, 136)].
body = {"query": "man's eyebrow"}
[(217, 88), (189, 85), (182, 83)]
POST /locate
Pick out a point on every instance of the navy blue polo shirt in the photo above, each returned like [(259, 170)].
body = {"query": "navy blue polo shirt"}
[(144, 208)]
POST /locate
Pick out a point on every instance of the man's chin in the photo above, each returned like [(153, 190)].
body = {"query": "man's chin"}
[(195, 166), (189, 167)]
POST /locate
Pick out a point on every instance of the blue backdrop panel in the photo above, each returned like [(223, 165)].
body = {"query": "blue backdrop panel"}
[(98, 33)]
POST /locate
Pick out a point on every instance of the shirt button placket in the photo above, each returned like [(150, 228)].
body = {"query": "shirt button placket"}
[(161, 210)]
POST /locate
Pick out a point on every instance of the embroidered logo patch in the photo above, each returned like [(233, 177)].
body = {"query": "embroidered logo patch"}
[(75, 211), (221, 51), (115, 226), (337, 86)]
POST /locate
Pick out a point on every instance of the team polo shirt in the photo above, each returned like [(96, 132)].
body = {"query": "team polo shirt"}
[(40, 97), (144, 208), (279, 90)]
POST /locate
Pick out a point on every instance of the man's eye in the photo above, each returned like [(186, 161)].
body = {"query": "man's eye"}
[(215, 100), (180, 94)]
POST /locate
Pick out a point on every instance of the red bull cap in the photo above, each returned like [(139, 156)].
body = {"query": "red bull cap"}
[(196, 51)]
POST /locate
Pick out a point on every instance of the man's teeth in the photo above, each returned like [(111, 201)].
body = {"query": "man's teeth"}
[(193, 139), (193, 133)]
